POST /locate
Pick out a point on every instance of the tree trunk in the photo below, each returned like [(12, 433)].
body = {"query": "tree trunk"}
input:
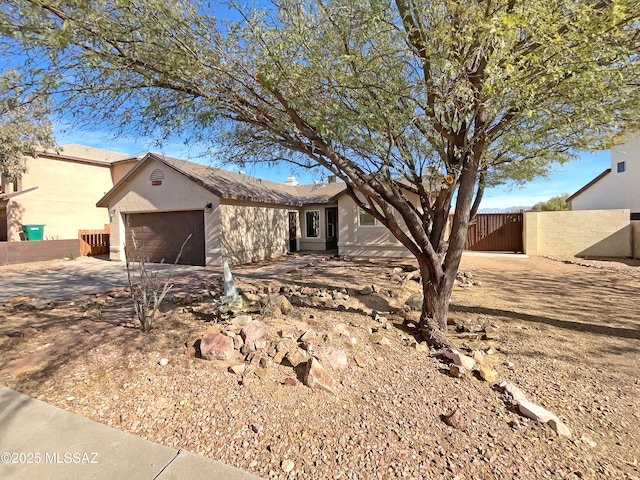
[(436, 288), (436, 294)]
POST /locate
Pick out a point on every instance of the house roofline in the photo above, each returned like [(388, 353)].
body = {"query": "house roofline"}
[(85, 161), (294, 202), (8, 196), (590, 184), (103, 202)]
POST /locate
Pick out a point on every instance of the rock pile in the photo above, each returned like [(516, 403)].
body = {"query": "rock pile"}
[(254, 350)]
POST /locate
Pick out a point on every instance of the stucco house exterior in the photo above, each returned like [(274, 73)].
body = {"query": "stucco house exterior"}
[(617, 186), (163, 200), (59, 191)]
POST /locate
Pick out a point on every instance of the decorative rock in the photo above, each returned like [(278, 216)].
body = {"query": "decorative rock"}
[(262, 373), (478, 356), (260, 344), (457, 371), (191, 352), (287, 466), (285, 333), (366, 290), (560, 428), (414, 302), (238, 343), (163, 362), (215, 346), (241, 320), (291, 381), (459, 359), (490, 332), (279, 356), (316, 376), (379, 339), (254, 330), (535, 412), (455, 420), (309, 336), (509, 365), (397, 270), (282, 303), (251, 297), (237, 369), (335, 359), (488, 374), (296, 357), (360, 360)]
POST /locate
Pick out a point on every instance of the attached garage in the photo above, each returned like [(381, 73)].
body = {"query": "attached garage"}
[(161, 234)]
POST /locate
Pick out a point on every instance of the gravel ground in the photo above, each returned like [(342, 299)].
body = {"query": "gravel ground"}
[(570, 331)]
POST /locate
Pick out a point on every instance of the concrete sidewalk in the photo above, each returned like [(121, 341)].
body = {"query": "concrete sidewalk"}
[(40, 441)]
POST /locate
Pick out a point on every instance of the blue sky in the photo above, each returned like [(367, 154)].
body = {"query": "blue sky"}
[(565, 179)]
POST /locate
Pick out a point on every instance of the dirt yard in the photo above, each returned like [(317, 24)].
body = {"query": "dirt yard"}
[(568, 335)]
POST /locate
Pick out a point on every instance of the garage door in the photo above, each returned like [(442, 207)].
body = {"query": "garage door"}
[(160, 236)]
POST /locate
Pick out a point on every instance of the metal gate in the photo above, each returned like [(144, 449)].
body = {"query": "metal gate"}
[(495, 232)]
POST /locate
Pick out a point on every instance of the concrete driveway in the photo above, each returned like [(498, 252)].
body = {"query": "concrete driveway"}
[(67, 279)]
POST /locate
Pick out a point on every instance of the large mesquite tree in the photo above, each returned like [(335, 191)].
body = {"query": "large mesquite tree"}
[(416, 106)]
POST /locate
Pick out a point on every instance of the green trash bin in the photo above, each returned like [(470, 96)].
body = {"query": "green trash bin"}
[(33, 232)]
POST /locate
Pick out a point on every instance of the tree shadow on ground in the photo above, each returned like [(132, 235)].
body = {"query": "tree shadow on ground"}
[(555, 322)]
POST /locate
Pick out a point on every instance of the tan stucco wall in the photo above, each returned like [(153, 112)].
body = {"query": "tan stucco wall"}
[(65, 200), (616, 190), (598, 233), (364, 241), (119, 170), (177, 193), (253, 232)]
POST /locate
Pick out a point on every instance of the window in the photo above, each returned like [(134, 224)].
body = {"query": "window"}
[(621, 167), (312, 220), (366, 219)]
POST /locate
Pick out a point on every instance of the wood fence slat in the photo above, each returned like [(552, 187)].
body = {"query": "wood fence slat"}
[(94, 242)]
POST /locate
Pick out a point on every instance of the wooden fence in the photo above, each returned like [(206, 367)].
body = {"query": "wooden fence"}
[(496, 232), (94, 242)]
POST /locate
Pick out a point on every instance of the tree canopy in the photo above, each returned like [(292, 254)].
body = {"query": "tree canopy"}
[(24, 125), (400, 99), (554, 204)]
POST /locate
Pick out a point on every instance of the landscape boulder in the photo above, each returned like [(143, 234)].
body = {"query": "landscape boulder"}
[(335, 359), (459, 359), (414, 302), (253, 331), (318, 377), (216, 346)]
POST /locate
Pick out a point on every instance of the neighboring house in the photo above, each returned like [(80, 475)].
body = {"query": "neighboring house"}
[(618, 186), (59, 190), (163, 200)]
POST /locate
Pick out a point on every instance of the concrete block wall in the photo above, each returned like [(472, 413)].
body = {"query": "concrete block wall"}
[(598, 233)]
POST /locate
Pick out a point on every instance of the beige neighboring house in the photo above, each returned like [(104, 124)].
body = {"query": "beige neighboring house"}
[(59, 191), (618, 187), (163, 201)]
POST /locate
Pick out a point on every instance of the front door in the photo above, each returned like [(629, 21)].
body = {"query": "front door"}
[(293, 232), (332, 228)]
